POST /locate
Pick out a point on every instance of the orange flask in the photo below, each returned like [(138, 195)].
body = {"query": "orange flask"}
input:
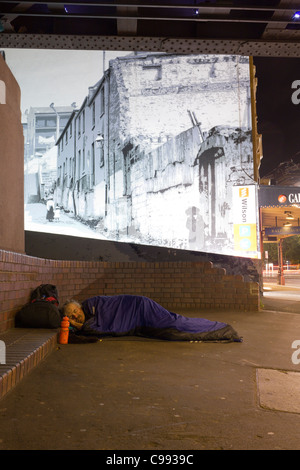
[(64, 331)]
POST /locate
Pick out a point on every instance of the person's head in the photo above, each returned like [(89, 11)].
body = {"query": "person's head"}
[(73, 310)]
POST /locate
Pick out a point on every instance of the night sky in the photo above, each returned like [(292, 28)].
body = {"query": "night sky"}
[(278, 117)]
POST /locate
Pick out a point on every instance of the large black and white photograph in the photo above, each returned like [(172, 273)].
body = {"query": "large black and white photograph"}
[(140, 147)]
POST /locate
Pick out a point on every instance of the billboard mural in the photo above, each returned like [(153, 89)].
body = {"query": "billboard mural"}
[(156, 152)]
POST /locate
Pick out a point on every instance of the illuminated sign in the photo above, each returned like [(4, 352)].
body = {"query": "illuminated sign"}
[(294, 198), (291, 230), (278, 196), (245, 219), (158, 177), (282, 198)]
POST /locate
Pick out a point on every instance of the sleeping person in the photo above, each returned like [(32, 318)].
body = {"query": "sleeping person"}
[(134, 315)]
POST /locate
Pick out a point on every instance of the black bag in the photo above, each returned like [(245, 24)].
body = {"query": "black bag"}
[(38, 314), (42, 310), (45, 292)]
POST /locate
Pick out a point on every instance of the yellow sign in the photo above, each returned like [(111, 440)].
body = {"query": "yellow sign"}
[(245, 237), (245, 219)]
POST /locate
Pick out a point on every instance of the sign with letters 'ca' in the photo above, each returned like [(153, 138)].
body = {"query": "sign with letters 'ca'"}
[(278, 196), (245, 220)]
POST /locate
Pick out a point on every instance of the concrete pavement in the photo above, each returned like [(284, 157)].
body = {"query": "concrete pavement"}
[(141, 394), (281, 298)]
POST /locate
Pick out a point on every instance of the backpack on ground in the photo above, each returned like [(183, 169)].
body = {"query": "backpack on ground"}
[(42, 311), (47, 292)]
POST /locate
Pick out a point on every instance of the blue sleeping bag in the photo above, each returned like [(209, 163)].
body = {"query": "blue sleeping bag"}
[(122, 315)]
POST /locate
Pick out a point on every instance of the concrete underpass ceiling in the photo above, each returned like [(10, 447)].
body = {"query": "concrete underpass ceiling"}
[(257, 27)]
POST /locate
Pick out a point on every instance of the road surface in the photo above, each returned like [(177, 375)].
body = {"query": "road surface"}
[(35, 220)]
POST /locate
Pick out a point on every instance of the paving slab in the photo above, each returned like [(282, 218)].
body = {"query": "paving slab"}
[(279, 390)]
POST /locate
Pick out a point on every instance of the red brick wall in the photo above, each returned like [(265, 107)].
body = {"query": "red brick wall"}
[(177, 286)]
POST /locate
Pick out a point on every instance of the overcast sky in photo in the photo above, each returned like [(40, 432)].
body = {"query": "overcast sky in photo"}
[(56, 76)]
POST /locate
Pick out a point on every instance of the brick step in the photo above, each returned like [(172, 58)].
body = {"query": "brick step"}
[(22, 349)]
